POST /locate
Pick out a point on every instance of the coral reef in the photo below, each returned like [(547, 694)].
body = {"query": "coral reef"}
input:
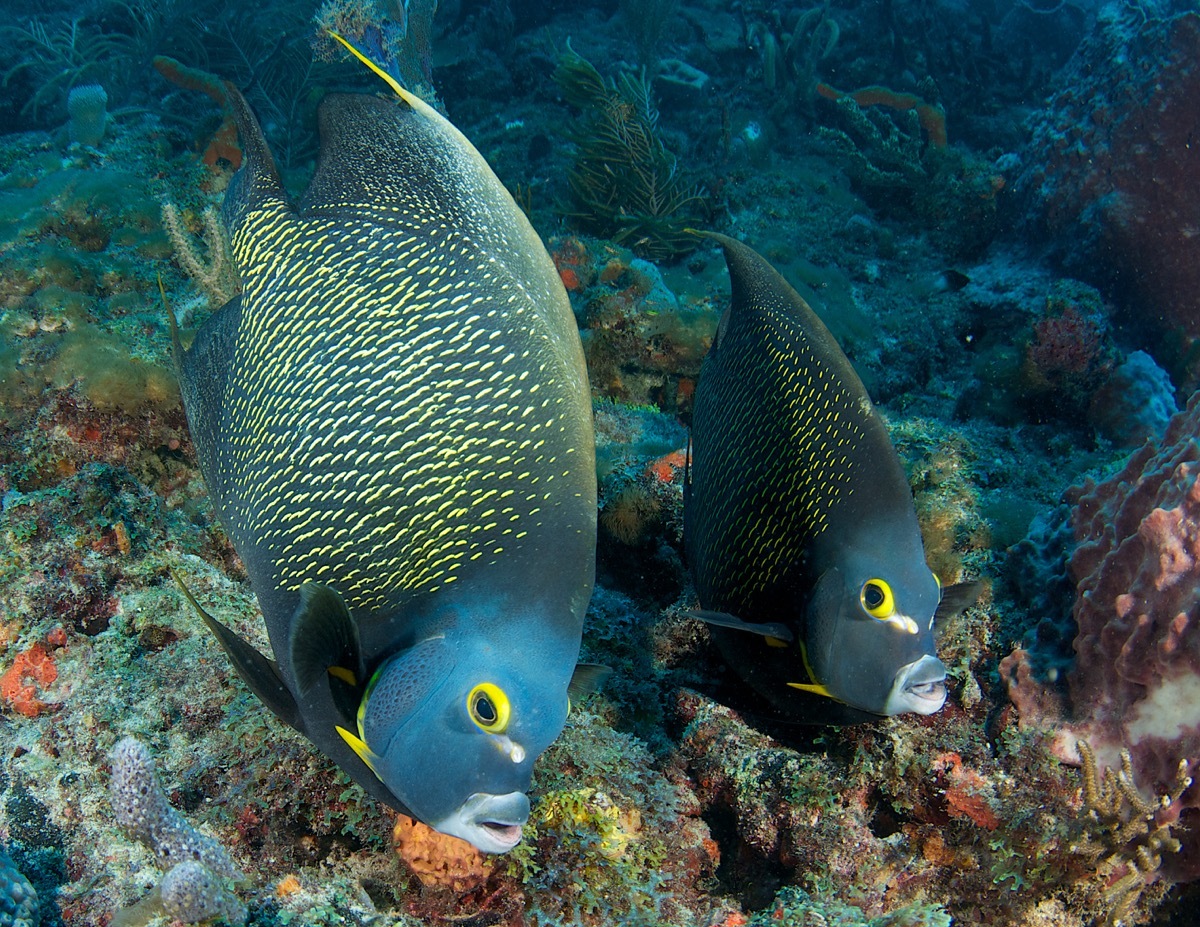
[(673, 796), (1134, 683), (1104, 175), (644, 345), (19, 905)]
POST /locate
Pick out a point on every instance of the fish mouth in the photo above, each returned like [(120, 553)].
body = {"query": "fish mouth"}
[(490, 823), (919, 687), (506, 835)]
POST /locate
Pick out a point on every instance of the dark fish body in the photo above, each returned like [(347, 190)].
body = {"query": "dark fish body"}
[(394, 424), (798, 516)]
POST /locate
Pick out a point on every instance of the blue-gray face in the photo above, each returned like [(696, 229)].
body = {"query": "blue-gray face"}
[(870, 636), (455, 740)]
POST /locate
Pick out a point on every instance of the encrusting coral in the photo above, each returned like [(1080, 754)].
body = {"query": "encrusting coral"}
[(439, 860)]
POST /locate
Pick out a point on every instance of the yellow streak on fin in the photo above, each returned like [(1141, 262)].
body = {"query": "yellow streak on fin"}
[(774, 642), (359, 746), (384, 75), (814, 689), (343, 674)]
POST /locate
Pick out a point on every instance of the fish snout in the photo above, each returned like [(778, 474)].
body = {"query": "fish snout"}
[(492, 823), (919, 687)]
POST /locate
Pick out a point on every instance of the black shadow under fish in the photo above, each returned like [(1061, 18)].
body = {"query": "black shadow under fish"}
[(394, 423), (798, 520)]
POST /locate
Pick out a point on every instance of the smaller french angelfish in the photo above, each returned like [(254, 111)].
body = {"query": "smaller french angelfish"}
[(799, 524)]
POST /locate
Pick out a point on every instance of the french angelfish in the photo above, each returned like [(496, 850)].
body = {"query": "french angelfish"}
[(394, 423), (799, 525)]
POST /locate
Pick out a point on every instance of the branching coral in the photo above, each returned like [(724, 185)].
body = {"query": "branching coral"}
[(894, 148), (214, 274), (1134, 833), (625, 183)]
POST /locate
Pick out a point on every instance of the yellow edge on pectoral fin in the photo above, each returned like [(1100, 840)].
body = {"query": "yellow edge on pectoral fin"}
[(360, 748), (345, 675)]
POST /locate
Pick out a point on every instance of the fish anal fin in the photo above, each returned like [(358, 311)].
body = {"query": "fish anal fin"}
[(258, 672), (814, 689)]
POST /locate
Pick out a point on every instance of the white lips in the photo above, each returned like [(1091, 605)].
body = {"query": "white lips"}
[(491, 823), (919, 687)]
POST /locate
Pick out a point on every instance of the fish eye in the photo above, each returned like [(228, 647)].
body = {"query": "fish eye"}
[(488, 707), (877, 599)]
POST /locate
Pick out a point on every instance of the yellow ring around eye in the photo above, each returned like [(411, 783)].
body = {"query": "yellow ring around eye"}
[(877, 599), (488, 707)]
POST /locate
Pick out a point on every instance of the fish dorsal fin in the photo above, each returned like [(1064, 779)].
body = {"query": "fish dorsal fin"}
[(768, 629), (256, 186), (756, 286), (403, 163), (324, 639), (587, 678), (259, 673)]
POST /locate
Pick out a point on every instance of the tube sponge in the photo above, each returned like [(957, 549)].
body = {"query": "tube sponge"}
[(194, 889), (192, 894), (88, 108), (142, 809)]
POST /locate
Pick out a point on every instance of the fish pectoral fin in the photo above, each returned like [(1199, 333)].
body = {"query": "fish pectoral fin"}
[(955, 599), (258, 672), (323, 639), (769, 629), (587, 678)]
